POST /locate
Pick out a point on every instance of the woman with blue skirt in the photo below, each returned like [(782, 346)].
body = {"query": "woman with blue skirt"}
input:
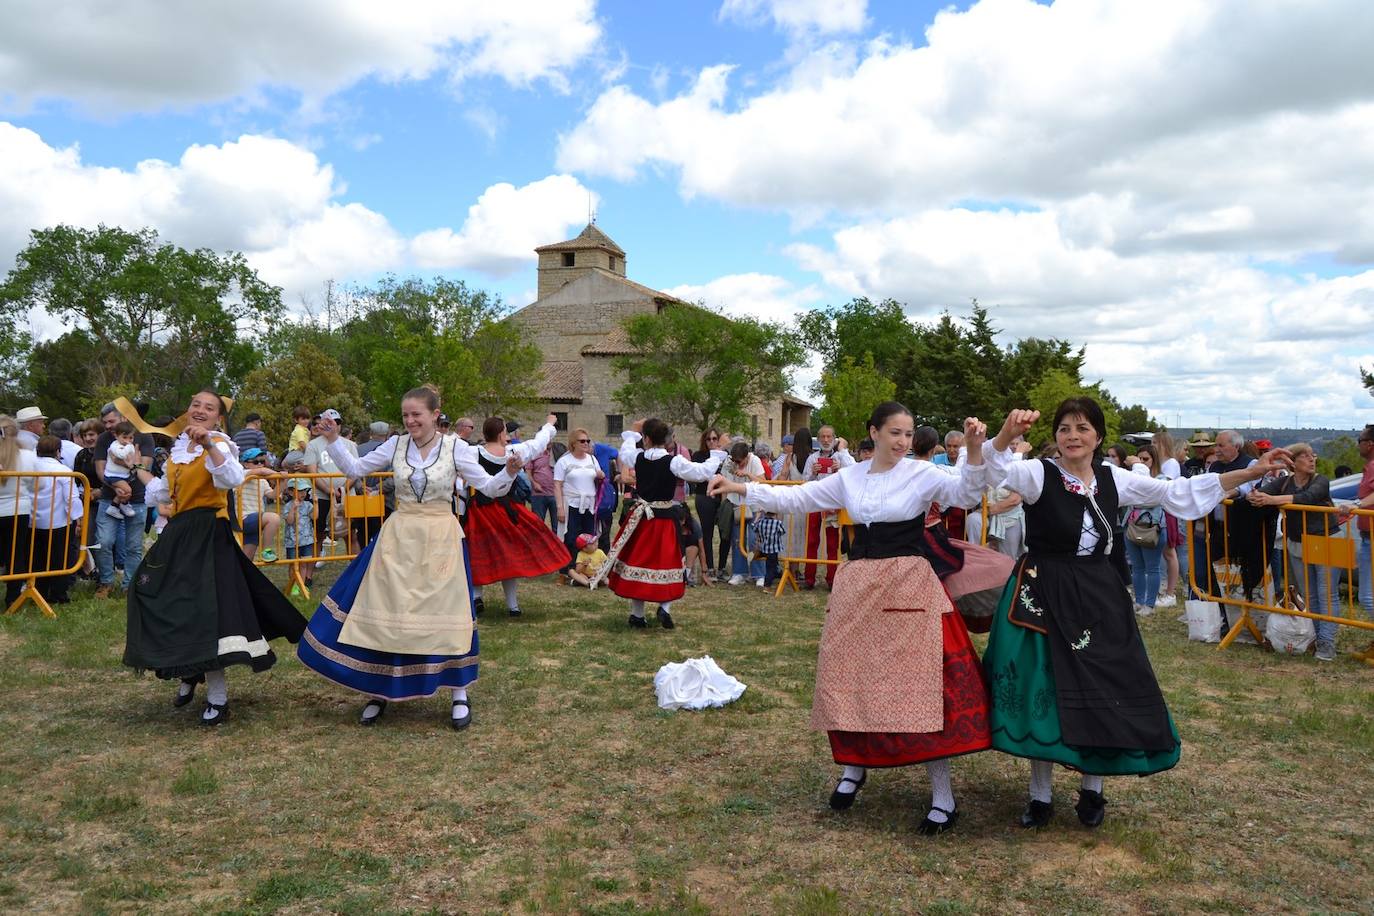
[(398, 624)]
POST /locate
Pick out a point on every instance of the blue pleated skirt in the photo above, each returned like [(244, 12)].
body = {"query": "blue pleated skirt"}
[(391, 676)]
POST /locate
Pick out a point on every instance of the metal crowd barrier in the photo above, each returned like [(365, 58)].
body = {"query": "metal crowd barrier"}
[(1331, 554), (361, 514), (22, 558)]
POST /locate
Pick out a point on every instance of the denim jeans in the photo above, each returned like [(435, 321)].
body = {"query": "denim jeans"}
[(128, 533), (739, 566), (546, 508), (1144, 571), (580, 521), (1317, 591), (1366, 576)]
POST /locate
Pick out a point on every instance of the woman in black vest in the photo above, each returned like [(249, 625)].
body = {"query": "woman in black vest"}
[(645, 562), (1066, 667)]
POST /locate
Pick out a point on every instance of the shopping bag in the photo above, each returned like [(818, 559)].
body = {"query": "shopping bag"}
[(1204, 621), (1287, 634)]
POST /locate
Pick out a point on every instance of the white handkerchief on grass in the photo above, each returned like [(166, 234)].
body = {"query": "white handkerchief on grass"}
[(695, 684)]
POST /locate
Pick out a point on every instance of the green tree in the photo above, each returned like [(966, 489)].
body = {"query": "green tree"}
[(693, 367), (859, 327), (1054, 389), (306, 376), (1342, 450), (53, 367), (851, 392), (165, 320), (1136, 419), (1367, 379)]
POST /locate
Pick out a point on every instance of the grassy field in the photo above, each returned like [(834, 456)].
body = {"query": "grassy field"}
[(573, 793)]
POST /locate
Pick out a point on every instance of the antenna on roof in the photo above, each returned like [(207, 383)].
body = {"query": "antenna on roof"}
[(591, 210)]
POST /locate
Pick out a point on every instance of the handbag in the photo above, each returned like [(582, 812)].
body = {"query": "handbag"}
[(1142, 530)]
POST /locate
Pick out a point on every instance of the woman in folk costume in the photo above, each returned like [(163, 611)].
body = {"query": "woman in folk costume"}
[(197, 604), (645, 562), (897, 680), (1070, 681), (398, 624), (506, 541)]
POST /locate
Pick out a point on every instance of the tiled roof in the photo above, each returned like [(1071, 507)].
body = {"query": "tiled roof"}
[(562, 381), (590, 237), (617, 343)]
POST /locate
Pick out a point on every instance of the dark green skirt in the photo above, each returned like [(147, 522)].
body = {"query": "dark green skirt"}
[(1024, 712)]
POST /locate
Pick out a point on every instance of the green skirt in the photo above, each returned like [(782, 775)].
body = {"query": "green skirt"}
[(1024, 714)]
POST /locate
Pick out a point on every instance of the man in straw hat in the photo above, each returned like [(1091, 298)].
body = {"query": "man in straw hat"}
[(31, 422)]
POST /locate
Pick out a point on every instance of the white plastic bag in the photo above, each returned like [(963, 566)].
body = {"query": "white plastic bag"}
[(695, 684), (1204, 621), (1290, 635)]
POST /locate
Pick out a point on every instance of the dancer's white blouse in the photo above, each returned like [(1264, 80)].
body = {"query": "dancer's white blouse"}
[(227, 475), (470, 470), (682, 468), (899, 494)]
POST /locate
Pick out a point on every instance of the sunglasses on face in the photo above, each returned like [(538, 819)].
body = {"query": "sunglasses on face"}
[(585, 441)]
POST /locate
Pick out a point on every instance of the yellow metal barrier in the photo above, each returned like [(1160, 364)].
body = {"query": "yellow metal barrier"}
[(1328, 553), (22, 537), (785, 562), (366, 510)]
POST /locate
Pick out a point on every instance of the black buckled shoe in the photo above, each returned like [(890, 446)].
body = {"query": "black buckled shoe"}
[(929, 827), (665, 619), (1037, 814), (461, 722), (367, 721), (186, 690), (1091, 808), (843, 801), (478, 606), (221, 712), (638, 623)]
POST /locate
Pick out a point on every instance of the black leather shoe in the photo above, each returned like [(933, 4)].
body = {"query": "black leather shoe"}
[(465, 719), (182, 699), (1037, 814), (221, 713), (665, 619), (1091, 807), (478, 607), (638, 623), (513, 612), (934, 828), (368, 721), (843, 801)]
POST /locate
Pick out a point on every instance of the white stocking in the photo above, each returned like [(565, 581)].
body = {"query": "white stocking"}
[(636, 607), (853, 774), (216, 691), (508, 587), (941, 792), (1040, 785), (665, 606), (1092, 783)]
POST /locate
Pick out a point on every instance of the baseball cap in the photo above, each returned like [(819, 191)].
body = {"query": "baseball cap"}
[(788, 439), (443, 419), (585, 539), (252, 454), (512, 426), (330, 413)]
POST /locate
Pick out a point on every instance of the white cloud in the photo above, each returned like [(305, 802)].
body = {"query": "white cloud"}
[(505, 225), (146, 55), (277, 203), (753, 295), (799, 16)]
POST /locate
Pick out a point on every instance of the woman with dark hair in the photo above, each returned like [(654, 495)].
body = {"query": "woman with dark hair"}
[(645, 562), (197, 604), (793, 467), (707, 506), (506, 541), (399, 623), (897, 680), (1069, 677), (1118, 455)]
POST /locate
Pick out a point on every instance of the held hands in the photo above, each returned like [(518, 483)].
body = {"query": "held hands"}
[(719, 486), (975, 434), (514, 463), (551, 420), (638, 425), (1256, 498), (1018, 423)]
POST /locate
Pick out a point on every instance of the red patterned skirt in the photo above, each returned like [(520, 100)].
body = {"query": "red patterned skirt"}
[(649, 563), (966, 715), (510, 545)]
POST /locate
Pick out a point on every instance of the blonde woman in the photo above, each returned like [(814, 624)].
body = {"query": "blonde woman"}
[(576, 477), (16, 506)]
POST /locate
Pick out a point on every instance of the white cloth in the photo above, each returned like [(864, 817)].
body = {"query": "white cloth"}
[(252, 495), (695, 684), (227, 475), (682, 468), (124, 451), (1170, 469), (28, 440), (16, 493), (56, 502), (899, 494), (578, 476)]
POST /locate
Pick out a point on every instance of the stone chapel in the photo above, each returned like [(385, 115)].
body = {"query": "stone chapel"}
[(583, 296)]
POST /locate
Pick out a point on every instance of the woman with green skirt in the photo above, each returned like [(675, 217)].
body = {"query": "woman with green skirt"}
[(1069, 679)]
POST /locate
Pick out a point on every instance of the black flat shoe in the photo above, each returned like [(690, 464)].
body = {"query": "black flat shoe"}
[(463, 721), (637, 623), (221, 713), (368, 721), (513, 612), (665, 619), (933, 828), (1091, 807), (478, 607), (1037, 814), (843, 801), (183, 699)]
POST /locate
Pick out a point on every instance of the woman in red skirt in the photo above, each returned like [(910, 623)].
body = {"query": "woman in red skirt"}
[(645, 562), (507, 541), (897, 680)]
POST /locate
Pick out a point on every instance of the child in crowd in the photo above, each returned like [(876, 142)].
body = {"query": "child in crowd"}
[(590, 558), (769, 534), (300, 435), (122, 456), (298, 527), (865, 449)]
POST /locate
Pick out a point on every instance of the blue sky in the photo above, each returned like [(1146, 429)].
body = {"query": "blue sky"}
[(1138, 178)]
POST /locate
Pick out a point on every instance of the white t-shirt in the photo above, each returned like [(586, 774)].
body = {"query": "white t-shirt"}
[(1170, 469), (579, 480), (317, 453), (124, 451), (252, 495)]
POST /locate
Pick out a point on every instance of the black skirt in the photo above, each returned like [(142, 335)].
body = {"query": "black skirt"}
[(199, 604)]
